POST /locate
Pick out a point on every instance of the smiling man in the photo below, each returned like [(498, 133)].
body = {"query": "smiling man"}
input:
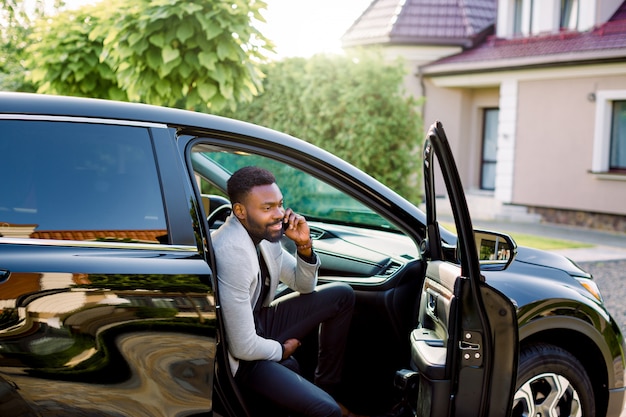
[(263, 332)]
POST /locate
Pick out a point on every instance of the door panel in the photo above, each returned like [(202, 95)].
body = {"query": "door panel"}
[(430, 341), (461, 319), (435, 347)]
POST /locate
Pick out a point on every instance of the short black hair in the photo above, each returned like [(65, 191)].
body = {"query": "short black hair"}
[(244, 179)]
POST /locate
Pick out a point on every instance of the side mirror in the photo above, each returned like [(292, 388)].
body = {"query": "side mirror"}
[(496, 250)]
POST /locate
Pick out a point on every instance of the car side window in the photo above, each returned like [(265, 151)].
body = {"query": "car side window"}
[(307, 195), (355, 242), (79, 181)]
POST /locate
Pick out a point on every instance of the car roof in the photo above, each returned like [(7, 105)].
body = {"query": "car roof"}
[(41, 104), (32, 104)]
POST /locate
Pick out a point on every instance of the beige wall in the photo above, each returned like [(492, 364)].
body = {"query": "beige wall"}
[(461, 113), (553, 134), (446, 105), (554, 146), (413, 58)]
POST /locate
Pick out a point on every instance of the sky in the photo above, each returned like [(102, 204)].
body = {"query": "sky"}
[(306, 27)]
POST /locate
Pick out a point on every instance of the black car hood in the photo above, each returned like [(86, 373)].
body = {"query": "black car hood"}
[(543, 258)]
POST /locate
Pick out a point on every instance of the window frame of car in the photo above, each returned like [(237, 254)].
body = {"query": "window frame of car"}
[(171, 185), (318, 164), (301, 191)]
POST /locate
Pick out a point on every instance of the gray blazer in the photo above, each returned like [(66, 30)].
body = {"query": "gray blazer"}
[(238, 272)]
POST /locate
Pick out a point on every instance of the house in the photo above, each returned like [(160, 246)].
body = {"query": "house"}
[(532, 95)]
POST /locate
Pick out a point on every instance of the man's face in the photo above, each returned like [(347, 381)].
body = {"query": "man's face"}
[(262, 213)]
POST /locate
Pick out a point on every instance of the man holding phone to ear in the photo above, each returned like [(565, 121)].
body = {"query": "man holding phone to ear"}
[(263, 332)]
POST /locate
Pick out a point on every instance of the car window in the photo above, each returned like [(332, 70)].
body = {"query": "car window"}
[(305, 194), (79, 181)]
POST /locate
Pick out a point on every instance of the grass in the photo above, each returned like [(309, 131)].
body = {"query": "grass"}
[(545, 243), (537, 242)]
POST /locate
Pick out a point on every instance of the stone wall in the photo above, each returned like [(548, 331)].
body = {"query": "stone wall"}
[(599, 221)]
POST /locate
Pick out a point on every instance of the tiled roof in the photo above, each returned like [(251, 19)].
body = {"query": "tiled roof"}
[(467, 23), (438, 22), (605, 42), (620, 14)]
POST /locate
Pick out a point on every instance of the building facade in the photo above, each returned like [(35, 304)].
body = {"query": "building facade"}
[(532, 95)]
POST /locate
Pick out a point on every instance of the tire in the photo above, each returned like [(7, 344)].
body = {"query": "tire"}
[(551, 382)]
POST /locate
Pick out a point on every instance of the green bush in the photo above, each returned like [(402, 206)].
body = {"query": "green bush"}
[(352, 106)]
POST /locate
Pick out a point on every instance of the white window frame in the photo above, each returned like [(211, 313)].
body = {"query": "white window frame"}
[(539, 17), (571, 23), (602, 131), (525, 19)]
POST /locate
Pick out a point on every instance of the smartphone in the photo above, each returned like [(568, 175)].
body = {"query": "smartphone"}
[(285, 226)]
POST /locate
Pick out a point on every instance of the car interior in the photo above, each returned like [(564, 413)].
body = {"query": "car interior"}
[(356, 246), (407, 311)]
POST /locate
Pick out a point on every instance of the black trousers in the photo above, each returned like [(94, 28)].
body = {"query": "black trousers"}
[(295, 315)]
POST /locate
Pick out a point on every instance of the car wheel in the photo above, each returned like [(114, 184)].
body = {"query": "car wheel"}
[(552, 382)]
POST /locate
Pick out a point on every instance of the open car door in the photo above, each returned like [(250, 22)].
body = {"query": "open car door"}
[(465, 347)]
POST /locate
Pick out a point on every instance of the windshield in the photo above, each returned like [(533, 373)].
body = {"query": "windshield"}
[(305, 194)]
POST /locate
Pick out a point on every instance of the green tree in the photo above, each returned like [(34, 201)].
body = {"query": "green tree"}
[(196, 55), (65, 56), (353, 106), (16, 21)]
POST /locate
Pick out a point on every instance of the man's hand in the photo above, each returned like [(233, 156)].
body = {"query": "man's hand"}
[(298, 231), (290, 347)]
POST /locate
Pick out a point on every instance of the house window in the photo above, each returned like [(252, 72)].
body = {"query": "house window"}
[(569, 14), (489, 150), (617, 160), (609, 138), (517, 17), (522, 17)]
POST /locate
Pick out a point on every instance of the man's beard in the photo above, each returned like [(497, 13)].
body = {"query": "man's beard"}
[(260, 232)]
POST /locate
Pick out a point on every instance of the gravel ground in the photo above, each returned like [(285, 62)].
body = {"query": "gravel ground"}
[(610, 276)]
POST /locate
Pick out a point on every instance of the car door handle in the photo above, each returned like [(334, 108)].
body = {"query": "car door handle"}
[(432, 305)]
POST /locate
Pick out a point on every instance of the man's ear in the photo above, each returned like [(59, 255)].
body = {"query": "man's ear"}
[(239, 210)]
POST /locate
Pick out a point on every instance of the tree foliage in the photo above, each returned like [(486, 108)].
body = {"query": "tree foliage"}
[(352, 106), (16, 23), (65, 58), (196, 55)]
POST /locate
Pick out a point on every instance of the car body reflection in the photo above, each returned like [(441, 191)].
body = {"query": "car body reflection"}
[(115, 342)]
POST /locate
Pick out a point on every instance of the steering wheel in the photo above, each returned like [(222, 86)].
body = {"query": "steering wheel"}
[(219, 214)]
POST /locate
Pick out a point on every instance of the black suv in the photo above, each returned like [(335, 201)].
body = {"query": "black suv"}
[(108, 301)]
